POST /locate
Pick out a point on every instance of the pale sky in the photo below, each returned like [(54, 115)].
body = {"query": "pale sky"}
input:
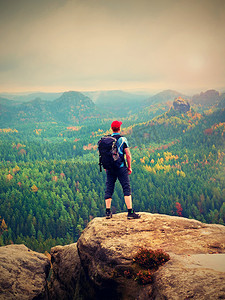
[(58, 45)]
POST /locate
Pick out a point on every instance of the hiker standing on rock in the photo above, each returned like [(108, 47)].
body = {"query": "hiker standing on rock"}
[(112, 150)]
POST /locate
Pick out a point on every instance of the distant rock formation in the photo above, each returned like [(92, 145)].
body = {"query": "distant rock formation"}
[(206, 98), (100, 265), (23, 273), (181, 105)]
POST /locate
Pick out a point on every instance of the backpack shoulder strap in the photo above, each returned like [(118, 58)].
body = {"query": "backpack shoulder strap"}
[(117, 136)]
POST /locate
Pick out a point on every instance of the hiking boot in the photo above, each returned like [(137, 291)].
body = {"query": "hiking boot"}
[(133, 215), (108, 214)]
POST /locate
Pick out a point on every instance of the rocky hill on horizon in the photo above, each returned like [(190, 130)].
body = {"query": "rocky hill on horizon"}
[(56, 107), (71, 107), (206, 98)]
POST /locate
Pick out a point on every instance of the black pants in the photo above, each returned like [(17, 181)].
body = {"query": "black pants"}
[(122, 175)]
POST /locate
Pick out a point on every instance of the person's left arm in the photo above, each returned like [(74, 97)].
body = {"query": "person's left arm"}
[(128, 158)]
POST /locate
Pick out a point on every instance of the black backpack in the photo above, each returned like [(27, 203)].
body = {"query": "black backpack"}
[(108, 153)]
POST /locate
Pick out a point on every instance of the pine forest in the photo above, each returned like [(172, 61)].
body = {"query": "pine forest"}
[(50, 183)]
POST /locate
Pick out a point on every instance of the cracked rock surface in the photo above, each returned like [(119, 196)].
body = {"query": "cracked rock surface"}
[(23, 273)]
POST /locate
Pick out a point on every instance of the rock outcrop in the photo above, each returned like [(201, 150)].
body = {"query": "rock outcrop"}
[(23, 273), (67, 273), (199, 277), (101, 266), (107, 248), (210, 97), (181, 105)]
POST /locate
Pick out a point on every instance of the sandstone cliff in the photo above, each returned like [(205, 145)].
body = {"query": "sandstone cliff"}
[(96, 267), (181, 105), (23, 273), (106, 249)]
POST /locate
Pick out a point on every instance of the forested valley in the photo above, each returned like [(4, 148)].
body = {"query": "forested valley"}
[(50, 183)]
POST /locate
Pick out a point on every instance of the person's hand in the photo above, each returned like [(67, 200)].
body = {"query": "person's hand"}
[(129, 171)]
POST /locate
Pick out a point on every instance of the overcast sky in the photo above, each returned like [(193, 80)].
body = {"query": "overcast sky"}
[(58, 45)]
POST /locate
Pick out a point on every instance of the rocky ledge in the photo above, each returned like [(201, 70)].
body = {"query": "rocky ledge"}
[(23, 273), (106, 250), (101, 266)]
